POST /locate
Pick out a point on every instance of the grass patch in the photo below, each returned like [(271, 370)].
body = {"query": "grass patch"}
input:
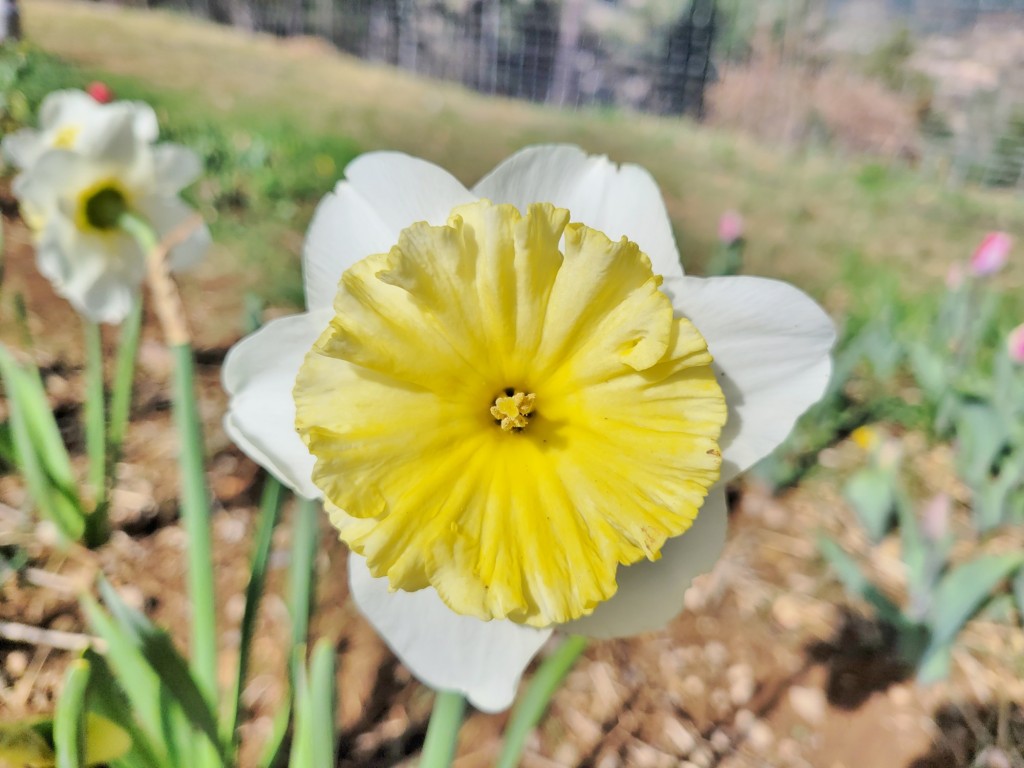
[(301, 101)]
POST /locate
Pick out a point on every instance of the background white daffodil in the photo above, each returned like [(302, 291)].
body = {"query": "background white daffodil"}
[(76, 121), (73, 201), (770, 343)]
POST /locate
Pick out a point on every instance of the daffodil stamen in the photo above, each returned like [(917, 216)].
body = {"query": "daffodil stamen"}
[(513, 410)]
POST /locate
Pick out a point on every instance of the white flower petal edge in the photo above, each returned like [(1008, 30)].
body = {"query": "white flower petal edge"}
[(619, 200), (483, 660), (89, 120), (771, 343), (651, 594), (166, 214), (70, 107), (382, 194), (258, 375), (80, 269), (176, 167)]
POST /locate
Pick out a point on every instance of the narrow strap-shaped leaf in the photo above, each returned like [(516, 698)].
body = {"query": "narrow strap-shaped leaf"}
[(97, 523), (271, 754), (964, 590), (302, 737), (124, 378), (69, 719), (158, 650), (443, 730), (55, 503), (534, 702), (141, 684), (45, 432), (322, 698), (108, 698), (855, 581), (270, 506)]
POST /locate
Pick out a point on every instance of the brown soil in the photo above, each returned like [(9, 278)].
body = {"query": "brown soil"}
[(767, 667)]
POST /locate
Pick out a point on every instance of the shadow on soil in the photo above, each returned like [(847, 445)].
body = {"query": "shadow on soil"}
[(971, 736), (862, 659)]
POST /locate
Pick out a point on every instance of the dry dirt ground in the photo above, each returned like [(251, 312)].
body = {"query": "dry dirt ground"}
[(768, 666)]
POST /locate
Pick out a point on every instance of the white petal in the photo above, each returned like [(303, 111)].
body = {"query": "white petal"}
[(771, 344), (383, 193), (99, 275), (22, 147), (167, 214), (57, 175), (67, 107), (258, 375), (147, 128), (618, 200), (175, 167), (110, 137), (481, 659), (73, 108), (108, 300), (651, 594)]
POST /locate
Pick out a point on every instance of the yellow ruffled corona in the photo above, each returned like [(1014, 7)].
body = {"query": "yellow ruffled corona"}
[(506, 409)]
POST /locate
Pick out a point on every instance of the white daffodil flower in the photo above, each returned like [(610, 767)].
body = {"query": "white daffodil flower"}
[(509, 407), (76, 121), (73, 202)]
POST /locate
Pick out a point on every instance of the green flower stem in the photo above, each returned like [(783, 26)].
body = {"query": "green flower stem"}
[(95, 419), (302, 575), (534, 703), (443, 731), (195, 512), (124, 379), (195, 501), (95, 435)]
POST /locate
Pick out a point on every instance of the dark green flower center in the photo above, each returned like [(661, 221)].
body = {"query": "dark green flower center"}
[(104, 208)]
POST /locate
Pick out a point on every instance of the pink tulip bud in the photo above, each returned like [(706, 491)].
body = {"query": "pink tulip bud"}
[(1015, 344), (101, 92), (935, 517), (991, 255), (730, 227)]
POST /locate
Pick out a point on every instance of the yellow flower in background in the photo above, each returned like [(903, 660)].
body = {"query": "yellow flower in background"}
[(506, 409), (514, 409), (867, 437)]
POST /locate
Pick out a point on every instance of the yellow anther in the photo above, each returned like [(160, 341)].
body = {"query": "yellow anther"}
[(513, 411), (66, 137)]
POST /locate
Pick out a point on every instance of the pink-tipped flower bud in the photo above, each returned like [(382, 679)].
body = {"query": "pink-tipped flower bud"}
[(991, 255), (730, 227), (935, 517), (1015, 344), (101, 92)]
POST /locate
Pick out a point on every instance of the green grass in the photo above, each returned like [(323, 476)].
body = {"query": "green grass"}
[(809, 217)]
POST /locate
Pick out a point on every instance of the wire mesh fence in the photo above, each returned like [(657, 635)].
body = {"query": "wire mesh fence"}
[(934, 84)]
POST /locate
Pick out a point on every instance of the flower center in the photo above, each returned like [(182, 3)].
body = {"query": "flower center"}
[(513, 410), (101, 206), (66, 137)]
